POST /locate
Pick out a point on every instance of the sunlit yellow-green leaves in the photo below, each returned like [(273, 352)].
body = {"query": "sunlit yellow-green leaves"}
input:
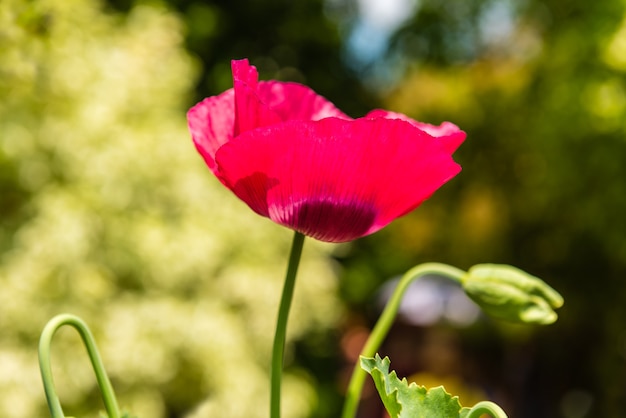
[(110, 214)]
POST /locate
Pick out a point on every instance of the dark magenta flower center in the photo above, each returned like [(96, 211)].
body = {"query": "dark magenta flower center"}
[(332, 221)]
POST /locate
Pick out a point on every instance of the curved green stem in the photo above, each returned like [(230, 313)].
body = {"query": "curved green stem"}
[(486, 407), (45, 341), (278, 349), (384, 323)]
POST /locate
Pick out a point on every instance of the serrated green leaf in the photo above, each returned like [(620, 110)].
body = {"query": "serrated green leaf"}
[(404, 400)]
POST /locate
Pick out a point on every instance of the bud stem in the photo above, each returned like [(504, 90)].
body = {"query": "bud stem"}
[(381, 329)]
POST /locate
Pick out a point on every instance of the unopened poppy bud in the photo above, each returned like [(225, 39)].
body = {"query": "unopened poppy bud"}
[(509, 293)]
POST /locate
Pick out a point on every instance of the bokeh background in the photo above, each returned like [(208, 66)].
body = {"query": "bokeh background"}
[(107, 212)]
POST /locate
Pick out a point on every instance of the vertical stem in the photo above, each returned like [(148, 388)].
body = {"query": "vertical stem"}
[(383, 325), (278, 349), (45, 341)]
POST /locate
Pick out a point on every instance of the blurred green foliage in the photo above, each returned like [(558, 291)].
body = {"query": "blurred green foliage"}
[(540, 87), (107, 212)]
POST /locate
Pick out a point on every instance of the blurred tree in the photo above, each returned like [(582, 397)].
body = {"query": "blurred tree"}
[(287, 40), (108, 212)]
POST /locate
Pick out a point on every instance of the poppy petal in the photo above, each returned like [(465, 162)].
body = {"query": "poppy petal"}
[(250, 111), (265, 103), (293, 101), (333, 179), (448, 133), (249, 105), (211, 125)]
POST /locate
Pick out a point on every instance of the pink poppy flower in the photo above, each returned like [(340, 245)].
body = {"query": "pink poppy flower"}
[(295, 158)]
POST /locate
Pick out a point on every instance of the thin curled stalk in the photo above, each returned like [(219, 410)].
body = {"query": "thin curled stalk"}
[(486, 407), (45, 341)]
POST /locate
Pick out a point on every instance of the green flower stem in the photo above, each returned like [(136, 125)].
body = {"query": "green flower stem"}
[(108, 396), (383, 325), (278, 349), (486, 407)]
